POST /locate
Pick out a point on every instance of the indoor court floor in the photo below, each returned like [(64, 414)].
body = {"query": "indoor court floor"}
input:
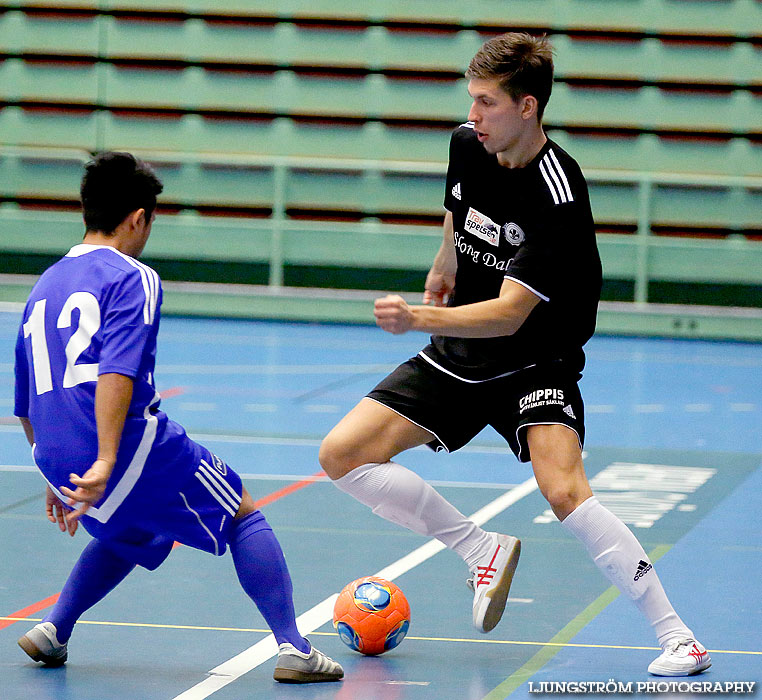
[(674, 447)]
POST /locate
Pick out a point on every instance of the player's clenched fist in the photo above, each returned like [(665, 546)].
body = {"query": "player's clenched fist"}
[(393, 314)]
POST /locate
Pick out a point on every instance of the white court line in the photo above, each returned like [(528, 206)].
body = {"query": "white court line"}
[(198, 406), (301, 477), (260, 407), (206, 370), (315, 442), (295, 441), (649, 408), (234, 668), (292, 370), (12, 306)]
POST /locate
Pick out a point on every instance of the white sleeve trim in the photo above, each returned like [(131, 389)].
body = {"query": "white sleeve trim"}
[(524, 284)]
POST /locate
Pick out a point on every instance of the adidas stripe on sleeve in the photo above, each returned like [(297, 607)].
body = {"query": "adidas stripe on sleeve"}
[(555, 177)]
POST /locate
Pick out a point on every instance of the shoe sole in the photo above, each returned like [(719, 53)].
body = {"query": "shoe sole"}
[(499, 595), (287, 675), (667, 673), (31, 650)]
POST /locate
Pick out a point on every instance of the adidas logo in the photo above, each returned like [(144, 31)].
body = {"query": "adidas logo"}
[(643, 568), (456, 191), (569, 412)]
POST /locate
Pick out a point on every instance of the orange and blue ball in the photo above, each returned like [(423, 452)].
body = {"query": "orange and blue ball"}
[(371, 615)]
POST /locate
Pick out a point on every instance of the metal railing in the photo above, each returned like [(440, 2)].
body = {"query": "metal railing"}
[(747, 255)]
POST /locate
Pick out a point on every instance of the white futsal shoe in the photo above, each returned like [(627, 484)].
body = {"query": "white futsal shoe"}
[(295, 666), (41, 644), (491, 580), (681, 657)]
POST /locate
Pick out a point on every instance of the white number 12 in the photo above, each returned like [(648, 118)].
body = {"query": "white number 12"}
[(89, 323)]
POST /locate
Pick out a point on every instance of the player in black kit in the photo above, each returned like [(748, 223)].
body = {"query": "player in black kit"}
[(510, 300)]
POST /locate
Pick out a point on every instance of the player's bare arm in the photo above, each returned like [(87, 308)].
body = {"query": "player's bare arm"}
[(441, 278), (113, 394), (485, 319), (28, 430)]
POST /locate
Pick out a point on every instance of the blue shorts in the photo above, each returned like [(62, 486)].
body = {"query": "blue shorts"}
[(198, 512)]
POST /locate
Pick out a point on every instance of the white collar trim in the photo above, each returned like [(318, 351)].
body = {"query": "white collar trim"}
[(84, 248)]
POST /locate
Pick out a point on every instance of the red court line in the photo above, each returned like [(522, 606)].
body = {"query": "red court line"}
[(174, 391), (270, 498), (280, 493), (29, 610)]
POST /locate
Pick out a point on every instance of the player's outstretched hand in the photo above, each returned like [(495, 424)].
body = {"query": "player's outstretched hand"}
[(57, 513), (90, 488), (393, 314)]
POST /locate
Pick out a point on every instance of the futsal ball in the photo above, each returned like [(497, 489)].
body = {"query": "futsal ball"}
[(371, 615)]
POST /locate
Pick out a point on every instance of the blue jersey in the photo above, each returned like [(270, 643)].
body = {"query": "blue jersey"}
[(96, 311)]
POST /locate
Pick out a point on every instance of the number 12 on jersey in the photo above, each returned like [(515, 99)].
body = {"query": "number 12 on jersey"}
[(87, 326)]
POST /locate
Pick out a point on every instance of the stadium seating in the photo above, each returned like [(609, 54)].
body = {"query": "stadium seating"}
[(375, 189), (271, 110)]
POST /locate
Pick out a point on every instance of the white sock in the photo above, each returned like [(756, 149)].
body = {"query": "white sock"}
[(618, 554), (402, 497)]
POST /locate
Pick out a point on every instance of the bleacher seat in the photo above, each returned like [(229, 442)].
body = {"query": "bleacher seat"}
[(47, 128), (38, 176), (24, 33), (652, 153), (48, 81), (236, 104)]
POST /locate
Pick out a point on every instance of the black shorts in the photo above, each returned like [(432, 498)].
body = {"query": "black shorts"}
[(455, 411)]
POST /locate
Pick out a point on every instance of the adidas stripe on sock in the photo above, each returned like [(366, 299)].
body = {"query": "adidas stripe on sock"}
[(619, 555)]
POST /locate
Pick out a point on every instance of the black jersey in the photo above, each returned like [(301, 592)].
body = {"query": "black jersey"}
[(532, 225)]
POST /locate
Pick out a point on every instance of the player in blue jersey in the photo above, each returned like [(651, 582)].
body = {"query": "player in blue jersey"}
[(113, 460)]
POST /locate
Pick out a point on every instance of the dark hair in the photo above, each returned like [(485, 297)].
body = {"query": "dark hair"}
[(520, 62), (115, 185)]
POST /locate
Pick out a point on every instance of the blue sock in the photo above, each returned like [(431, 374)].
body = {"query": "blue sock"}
[(97, 572), (263, 574)]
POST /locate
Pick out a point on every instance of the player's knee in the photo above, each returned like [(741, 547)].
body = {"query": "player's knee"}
[(247, 505), (561, 501), (564, 498), (335, 456)]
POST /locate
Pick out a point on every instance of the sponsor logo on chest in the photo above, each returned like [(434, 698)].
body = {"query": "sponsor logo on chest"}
[(488, 230), (482, 227), (514, 234)]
